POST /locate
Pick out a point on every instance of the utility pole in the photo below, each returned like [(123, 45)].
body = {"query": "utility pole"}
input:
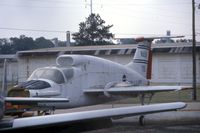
[(68, 38), (194, 51), (89, 5)]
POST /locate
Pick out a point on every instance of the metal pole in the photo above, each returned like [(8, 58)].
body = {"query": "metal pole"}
[(194, 51), (4, 83), (68, 38), (91, 6)]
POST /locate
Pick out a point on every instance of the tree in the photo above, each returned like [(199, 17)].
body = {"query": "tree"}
[(93, 32), (5, 46), (23, 43), (14, 44), (41, 42)]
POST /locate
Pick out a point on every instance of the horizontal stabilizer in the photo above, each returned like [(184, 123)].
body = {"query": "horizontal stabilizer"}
[(141, 39), (94, 114), (30, 100)]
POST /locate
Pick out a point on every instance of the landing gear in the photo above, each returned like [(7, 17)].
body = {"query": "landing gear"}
[(145, 96), (141, 120), (46, 112), (142, 97)]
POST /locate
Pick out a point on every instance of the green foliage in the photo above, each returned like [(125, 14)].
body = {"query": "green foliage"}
[(5, 46), (14, 44), (23, 43), (41, 42), (93, 32)]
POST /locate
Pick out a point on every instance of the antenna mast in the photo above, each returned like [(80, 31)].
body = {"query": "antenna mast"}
[(91, 6)]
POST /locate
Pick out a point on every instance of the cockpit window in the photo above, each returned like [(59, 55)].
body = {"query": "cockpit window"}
[(68, 72), (46, 73), (35, 84)]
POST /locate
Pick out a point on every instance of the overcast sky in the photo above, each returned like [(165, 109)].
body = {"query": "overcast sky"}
[(129, 17)]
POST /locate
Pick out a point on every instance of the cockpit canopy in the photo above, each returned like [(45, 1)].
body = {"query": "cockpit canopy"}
[(48, 73)]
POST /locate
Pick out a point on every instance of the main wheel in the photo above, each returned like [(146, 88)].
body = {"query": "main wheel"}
[(141, 120)]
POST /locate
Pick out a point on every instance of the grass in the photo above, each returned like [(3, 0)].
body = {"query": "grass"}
[(162, 97)]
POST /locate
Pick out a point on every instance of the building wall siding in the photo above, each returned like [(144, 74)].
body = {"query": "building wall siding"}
[(166, 67), (174, 68), (28, 64), (12, 71)]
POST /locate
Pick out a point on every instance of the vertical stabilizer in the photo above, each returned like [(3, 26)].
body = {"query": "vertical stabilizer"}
[(139, 62)]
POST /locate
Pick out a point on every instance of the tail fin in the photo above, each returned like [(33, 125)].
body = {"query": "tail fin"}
[(140, 59)]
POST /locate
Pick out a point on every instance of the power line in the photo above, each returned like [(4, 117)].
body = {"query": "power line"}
[(131, 4), (126, 14), (57, 31), (35, 30), (83, 4), (155, 20), (157, 14), (64, 7), (111, 3), (31, 6), (91, 4)]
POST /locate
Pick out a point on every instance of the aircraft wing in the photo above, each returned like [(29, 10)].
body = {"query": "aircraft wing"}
[(136, 89), (67, 118), (34, 100)]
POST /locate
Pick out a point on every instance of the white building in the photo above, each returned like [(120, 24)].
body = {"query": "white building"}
[(12, 68), (172, 63)]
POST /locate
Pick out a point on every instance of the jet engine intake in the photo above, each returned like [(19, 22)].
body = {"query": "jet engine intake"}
[(71, 60)]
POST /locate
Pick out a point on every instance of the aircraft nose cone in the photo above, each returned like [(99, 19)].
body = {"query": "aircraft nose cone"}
[(22, 90), (18, 92)]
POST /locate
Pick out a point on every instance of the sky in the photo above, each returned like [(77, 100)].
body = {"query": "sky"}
[(130, 18)]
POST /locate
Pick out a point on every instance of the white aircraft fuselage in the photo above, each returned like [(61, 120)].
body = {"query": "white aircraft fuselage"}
[(75, 73)]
